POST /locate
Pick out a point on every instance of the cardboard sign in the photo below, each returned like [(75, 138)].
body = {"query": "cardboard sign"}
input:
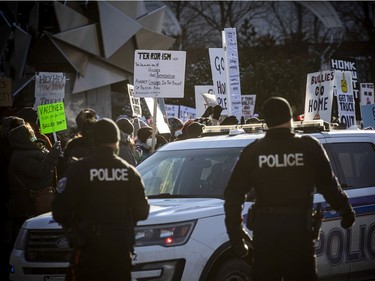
[(219, 77), (5, 92), (159, 73), (49, 88), (135, 103), (319, 95), (343, 90), (52, 117)]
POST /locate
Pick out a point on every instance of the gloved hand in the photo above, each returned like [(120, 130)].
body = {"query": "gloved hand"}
[(216, 112), (347, 217), (207, 112), (240, 248)]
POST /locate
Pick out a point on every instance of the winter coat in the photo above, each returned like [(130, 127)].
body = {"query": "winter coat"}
[(31, 167)]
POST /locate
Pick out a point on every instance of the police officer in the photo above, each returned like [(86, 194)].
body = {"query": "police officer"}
[(283, 169), (98, 203)]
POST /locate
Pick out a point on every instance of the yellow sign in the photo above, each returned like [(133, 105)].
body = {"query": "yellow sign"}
[(52, 117)]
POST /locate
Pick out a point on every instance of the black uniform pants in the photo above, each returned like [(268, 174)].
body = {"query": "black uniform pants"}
[(283, 249), (105, 257)]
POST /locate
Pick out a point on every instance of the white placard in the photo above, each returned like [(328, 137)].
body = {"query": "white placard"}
[(343, 89), (159, 73), (248, 105), (367, 93), (49, 88), (135, 103), (219, 77), (162, 126), (233, 72), (319, 95)]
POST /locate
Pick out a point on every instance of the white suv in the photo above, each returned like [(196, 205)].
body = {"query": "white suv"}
[(184, 237)]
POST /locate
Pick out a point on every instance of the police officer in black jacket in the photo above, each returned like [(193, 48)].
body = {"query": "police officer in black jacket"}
[(283, 169), (98, 203)]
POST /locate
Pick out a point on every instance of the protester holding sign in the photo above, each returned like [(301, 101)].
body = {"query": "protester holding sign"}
[(31, 168)]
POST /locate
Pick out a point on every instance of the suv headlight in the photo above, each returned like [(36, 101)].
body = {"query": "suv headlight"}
[(166, 235)]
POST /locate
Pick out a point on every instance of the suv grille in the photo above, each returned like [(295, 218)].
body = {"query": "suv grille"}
[(47, 246)]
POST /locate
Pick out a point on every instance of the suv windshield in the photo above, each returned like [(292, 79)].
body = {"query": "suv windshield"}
[(188, 173)]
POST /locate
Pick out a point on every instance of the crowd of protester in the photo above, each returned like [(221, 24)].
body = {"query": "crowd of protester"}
[(30, 159)]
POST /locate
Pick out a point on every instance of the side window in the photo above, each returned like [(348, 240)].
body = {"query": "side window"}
[(353, 163)]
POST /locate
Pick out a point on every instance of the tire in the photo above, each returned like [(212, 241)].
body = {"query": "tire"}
[(233, 269)]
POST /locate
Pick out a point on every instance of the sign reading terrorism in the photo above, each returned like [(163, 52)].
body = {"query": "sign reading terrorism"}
[(159, 73)]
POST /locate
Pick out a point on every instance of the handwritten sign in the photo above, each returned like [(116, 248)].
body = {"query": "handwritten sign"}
[(135, 103), (49, 88), (52, 117), (219, 78), (319, 95), (159, 73), (343, 89)]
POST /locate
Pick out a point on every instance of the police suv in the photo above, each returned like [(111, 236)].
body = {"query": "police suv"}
[(184, 237)]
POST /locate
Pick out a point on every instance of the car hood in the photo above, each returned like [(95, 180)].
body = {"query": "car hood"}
[(167, 210)]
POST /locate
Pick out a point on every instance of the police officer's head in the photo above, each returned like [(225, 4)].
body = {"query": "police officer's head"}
[(106, 132), (277, 111)]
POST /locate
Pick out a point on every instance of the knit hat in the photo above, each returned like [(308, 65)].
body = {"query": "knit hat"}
[(144, 133), (194, 130), (84, 114), (276, 111), (125, 126), (105, 131), (29, 114)]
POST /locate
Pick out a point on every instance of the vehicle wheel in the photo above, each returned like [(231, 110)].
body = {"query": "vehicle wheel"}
[(234, 269)]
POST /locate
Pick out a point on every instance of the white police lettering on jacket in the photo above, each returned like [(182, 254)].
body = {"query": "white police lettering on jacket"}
[(281, 160), (106, 174)]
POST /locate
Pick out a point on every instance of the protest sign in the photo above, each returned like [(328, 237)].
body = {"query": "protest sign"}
[(368, 115), (52, 117), (187, 113), (161, 125), (49, 88), (319, 93), (172, 110), (248, 105), (345, 99), (232, 72), (159, 73), (219, 77), (135, 103), (349, 64), (201, 103), (367, 93), (5, 92)]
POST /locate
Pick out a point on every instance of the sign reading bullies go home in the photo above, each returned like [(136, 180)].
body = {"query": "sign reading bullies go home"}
[(159, 73)]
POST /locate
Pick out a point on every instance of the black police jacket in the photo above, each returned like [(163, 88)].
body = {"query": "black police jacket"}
[(100, 189), (283, 168)]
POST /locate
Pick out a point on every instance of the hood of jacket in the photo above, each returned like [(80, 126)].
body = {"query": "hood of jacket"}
[(19, 138)]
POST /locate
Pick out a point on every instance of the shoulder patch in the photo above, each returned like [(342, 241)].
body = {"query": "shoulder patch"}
[(61, 185)]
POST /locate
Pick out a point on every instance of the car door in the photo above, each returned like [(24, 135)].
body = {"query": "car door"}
[(353, 160)]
